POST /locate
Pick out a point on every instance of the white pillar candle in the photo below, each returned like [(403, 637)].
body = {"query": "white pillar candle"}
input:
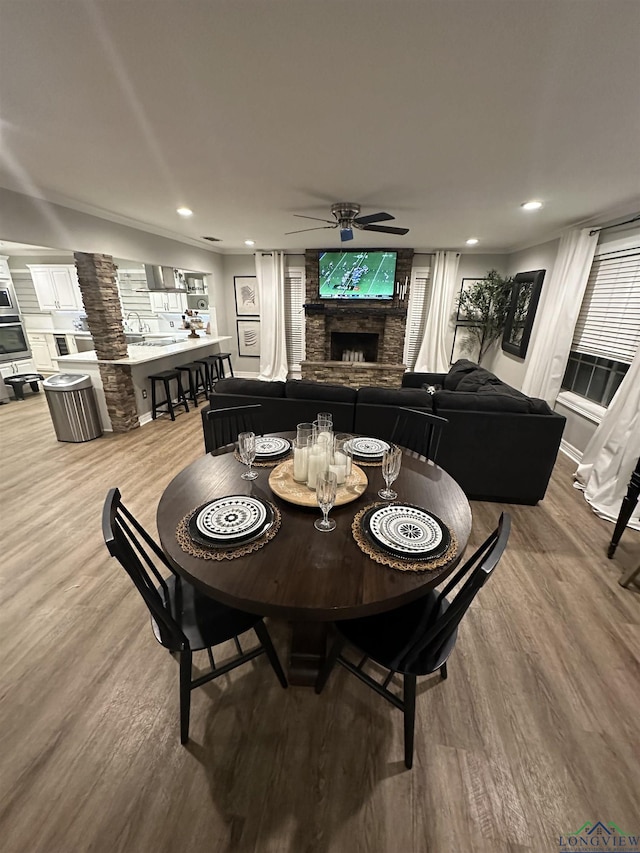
[(343, 459), (300, 464), (317, 463), (340, 471)]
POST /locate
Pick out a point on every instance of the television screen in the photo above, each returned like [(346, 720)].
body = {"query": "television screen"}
[(357, 275)]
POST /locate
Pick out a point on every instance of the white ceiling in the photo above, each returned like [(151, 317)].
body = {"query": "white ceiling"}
[(447, 114)]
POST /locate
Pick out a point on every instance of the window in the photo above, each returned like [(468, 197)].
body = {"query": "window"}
[(294, 296), (607, 333), (417, 310)]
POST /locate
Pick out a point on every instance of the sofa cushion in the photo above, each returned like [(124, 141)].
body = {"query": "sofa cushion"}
[(307, 389), (539, 407), (411, 379), (250, 387), (479, 402), (411, 398), (457, 371), (476, 379)]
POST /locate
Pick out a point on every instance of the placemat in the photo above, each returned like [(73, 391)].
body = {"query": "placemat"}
[(375, 464), (266, 463), (386, 559), (190, 547)]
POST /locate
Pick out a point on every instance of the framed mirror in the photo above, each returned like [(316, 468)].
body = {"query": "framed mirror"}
[(522, 311)]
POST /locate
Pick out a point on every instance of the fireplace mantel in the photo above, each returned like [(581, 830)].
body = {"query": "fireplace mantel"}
[(377, 310)]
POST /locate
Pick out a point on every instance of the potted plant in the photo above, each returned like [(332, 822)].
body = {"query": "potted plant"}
[(485, 306)]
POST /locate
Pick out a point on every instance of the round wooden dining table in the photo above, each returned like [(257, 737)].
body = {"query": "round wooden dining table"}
[(305, 576)]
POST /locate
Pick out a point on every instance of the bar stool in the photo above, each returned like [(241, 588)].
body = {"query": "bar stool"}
[(165, 376), (210, 370), (197, 384), (220, 359)]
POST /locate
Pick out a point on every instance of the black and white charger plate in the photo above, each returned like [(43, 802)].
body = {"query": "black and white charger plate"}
[(230, 521), (367, 448), (271, 447), (406, 531)]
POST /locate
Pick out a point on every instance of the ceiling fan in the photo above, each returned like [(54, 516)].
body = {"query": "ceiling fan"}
[(347, 218)]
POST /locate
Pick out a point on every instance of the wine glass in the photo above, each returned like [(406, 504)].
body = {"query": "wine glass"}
[(247, 451), (326, 485), (391, 461)]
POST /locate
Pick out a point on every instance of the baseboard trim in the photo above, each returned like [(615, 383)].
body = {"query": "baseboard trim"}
[(572, 452)]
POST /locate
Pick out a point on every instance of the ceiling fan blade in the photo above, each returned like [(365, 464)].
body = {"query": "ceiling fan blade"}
[(346, 234), (317, 219), (373, 217), (317, 228), (385, 229)]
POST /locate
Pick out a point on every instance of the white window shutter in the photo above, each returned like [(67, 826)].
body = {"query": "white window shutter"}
[(294, 316), (419, 296), (608, 325)]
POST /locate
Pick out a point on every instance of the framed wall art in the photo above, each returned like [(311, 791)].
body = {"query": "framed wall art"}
[(467, 284), (522, 312), (465, 344), (246, 292), (249, 338)]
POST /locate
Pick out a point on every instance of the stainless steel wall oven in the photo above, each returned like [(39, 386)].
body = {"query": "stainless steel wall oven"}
[(13, 340)]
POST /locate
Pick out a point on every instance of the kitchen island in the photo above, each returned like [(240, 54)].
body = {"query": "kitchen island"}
[(143, 359)]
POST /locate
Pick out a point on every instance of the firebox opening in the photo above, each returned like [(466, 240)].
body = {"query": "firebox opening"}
[(354, 346)]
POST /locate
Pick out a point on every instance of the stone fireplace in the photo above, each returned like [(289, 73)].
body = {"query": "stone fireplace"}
[(344, 330)]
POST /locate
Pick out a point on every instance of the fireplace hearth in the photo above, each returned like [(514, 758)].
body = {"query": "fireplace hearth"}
[(354, 346)]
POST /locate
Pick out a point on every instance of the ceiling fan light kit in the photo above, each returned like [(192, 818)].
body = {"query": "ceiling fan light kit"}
[(346, 214)]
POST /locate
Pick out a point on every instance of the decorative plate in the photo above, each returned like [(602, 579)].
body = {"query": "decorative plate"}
[(368, 448), (271, 446), (229, 544), (230, 519), (407, 531)]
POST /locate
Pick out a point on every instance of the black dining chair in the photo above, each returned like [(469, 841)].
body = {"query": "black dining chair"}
[(183, 620), (221, 427), (417, 638), (419, 432)]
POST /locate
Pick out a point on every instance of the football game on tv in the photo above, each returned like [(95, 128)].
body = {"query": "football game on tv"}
[(357, 275)]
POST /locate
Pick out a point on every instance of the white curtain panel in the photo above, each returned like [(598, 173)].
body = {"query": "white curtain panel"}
[(612, 454), (556, 319), (433, 355), (273, 344)]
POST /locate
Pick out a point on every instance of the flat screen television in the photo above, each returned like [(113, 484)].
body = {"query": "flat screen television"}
[(357, 275)]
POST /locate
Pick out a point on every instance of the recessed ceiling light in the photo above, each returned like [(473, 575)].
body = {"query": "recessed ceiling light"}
[(249, 242), (184, 211), (531, 205), (472, 241)]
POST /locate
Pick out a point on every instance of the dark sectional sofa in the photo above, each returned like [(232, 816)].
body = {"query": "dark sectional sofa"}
[(498, 444)]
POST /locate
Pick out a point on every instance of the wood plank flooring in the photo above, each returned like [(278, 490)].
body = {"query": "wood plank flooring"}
[(535, 731)]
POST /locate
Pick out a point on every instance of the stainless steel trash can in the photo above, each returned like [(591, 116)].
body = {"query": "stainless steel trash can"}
[(73, 408)]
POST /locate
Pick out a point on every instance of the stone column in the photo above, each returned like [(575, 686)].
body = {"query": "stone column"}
[(99, 288)]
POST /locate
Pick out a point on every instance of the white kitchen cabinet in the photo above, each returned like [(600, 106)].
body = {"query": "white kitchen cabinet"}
[(40, 350), (56, 287), (12, 368), (163, 302)]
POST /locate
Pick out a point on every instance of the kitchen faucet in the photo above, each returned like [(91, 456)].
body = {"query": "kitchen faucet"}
[(140, 324)]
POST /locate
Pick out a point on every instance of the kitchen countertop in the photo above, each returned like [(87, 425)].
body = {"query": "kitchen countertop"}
[(141, 355)]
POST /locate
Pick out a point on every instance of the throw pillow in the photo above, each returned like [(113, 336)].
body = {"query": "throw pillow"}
[(457, 371)]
